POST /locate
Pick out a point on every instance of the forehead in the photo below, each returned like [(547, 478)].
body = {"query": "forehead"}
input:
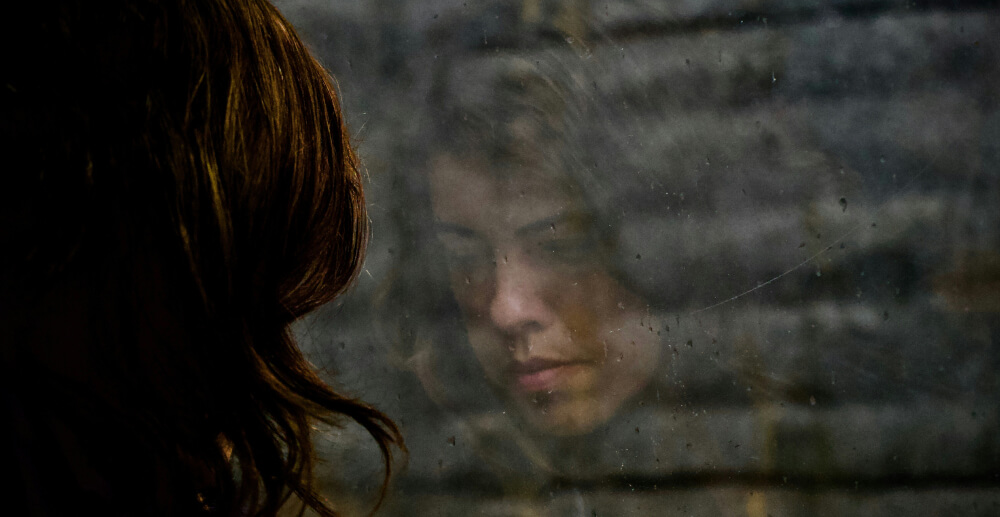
[(471, 194)]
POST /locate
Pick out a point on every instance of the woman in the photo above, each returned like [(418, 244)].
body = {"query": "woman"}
[(552, 327), (567, 239), (180, 188)]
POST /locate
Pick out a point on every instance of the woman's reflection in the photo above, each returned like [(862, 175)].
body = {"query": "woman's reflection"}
[(555, 332)]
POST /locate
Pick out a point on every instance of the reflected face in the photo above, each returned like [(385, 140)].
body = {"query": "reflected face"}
[(564, 341)]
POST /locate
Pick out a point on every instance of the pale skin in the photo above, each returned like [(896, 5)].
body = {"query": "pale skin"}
[(564, 341)]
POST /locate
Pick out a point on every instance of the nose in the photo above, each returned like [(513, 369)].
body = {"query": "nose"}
[(518, 305)]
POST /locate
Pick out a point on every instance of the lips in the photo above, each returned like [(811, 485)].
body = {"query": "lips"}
[(541, 374)]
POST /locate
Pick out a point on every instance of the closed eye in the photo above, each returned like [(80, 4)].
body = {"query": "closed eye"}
[(568, 250), (463, 248)]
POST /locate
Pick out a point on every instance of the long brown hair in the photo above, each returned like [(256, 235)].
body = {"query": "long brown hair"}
[(180, 188)]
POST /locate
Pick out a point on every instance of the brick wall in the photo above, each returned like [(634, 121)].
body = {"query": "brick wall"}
[(859, 377)]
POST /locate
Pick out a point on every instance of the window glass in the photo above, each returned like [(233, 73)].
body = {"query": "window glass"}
[(717, 257)]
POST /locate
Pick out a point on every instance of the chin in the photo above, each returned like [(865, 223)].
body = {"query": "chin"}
[(561, 419)]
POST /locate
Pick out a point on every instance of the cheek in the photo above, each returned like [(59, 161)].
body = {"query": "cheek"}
[(633, 351), (489, 351), (473, 292), (611, 322), (588, 305), (583, 324), (473, 289)]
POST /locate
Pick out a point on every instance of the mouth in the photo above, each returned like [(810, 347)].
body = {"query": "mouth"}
[(541, 375)]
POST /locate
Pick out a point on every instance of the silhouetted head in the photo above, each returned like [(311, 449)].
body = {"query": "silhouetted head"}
[(179, 189)]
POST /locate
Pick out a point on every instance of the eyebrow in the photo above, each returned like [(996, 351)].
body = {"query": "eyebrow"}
[(558, 219), (531, 228)]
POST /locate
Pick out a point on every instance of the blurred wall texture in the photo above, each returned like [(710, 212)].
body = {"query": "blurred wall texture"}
[(804, 210)]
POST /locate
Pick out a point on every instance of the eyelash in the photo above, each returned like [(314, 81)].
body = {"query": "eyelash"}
[(561, 251), (466, 258)]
